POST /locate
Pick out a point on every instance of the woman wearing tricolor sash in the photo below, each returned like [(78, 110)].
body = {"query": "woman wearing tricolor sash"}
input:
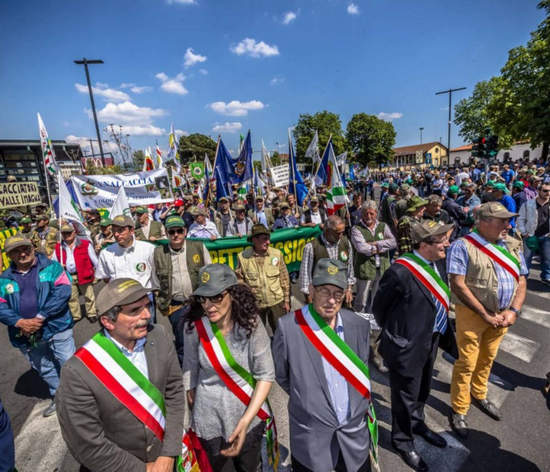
[(228, 371)]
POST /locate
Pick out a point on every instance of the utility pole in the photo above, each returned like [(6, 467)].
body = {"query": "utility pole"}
[(420, 134), (450, 92), (85, 62)]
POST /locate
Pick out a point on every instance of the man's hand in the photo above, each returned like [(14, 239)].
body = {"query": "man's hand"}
[(191, 397), (236, 440), (162, 464), (348, 296), (494, 319), (286, 307), (30, 325), (509, 318)]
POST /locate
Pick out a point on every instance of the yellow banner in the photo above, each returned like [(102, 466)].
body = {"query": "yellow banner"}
[(16, 194), (5, 234)]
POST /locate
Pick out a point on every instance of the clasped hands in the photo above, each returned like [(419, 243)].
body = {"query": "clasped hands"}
[(29, 326), (502, 319)]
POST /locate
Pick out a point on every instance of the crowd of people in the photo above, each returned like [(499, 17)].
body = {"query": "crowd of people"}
[(378, 285)]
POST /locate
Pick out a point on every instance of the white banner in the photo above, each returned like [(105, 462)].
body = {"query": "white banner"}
[(279, 175), (100, 191)]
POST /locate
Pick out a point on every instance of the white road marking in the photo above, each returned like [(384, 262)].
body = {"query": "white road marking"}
[(536, 315), (39, 445), (519, 346)]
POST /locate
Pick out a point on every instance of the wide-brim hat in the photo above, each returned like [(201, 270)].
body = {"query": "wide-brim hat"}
[(119, 292), (257, 229), (214, 279), (415, 202)]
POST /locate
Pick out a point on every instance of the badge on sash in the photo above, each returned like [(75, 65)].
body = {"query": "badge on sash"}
[(141, 266), (196, 258), (274, 261), (344, 256)]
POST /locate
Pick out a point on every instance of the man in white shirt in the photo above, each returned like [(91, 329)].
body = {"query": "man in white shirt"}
[(128, 257), (203, 228)]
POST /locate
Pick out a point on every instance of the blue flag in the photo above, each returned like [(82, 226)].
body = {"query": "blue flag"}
[(243, 164), (223, 171), (206, 190), (322, 176), (296, 182)]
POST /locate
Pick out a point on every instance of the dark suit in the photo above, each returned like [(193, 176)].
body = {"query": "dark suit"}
[(405, 310)]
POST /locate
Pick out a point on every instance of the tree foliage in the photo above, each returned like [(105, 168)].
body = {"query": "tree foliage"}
[(516, 104), (326, 124), (138, 158), (196, 145), (370, 138), (91, 169)]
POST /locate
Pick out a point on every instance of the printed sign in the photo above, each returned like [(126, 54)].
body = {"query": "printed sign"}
[(14, 194), (279, 175)]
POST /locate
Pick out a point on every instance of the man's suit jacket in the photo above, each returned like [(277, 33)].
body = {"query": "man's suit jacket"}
[(405, 310), (100, 432), (316, 437)]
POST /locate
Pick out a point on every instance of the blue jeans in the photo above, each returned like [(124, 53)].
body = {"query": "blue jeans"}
[(544, 254), (47, 357)]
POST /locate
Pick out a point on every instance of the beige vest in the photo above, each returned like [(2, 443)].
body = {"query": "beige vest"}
[(263, 275), (481, 276)]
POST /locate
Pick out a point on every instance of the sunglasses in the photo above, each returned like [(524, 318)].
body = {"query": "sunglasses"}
[(173, 232), (214, 299)]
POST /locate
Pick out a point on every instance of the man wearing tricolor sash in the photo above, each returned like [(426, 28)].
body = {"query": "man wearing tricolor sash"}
[(321, 353), (487, 272), (411, 306), (121, 399)]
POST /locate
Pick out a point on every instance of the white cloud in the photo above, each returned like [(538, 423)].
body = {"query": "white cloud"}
[(236, 108), (191, 58), (277, 80), (253, 48), (174, 85), (143, 130), (289, 17), (180, 132), (389, 116), (353, 9), (101, 90), (84, 143), (127, 113), (227, 127), (140, 89), (125, 85), (181, 2), (203, 71)]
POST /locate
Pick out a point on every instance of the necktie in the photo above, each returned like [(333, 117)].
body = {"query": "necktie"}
[(440, 325)]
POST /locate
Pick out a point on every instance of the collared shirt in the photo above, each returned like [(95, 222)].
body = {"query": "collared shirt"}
[(204, 231), (337, 384), (358, 241), (70, 264), (438, 305), (306, 267), (137, 356), (261, 218), (315, 217), (135, 262), (457, 263), (181, 282)]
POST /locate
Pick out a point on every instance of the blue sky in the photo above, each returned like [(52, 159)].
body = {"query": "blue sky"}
[(212, 66)]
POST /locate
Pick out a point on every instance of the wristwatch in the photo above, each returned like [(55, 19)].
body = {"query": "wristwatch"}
[(516, 311)]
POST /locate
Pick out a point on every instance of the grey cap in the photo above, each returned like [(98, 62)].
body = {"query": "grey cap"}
[(119, 292), (122, 220), (330, 272), (427, 229), (494, 210), (16, 241), (214, 279)]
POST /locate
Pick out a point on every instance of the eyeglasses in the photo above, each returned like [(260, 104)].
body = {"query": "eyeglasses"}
[(326, 293), (545, 190), (173, 232), (214, 299)]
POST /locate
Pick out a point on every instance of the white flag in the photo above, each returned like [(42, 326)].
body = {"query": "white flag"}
[(312, 150), (207, 165), (266, 158), (121, 205), (68, 210), (341, 159), (48, 154)]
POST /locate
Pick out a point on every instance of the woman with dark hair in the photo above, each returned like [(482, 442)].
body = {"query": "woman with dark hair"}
[(227, 371)]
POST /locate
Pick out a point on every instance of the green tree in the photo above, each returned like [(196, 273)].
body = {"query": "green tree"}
[(93, 170), (276, 158), (138, 158), (370, 138), (326, 124), (195, 145)]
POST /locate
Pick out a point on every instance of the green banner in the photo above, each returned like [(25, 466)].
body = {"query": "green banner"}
[(197, 170), (290, 242)]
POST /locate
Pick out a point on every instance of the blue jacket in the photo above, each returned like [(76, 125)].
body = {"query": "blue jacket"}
[(54, 291)]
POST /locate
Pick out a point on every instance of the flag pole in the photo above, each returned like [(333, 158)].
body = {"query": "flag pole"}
[(208, 197), (293, 163)]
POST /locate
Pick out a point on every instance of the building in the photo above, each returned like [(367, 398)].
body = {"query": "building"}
[(22, 159), (521, 150), (420, 155)]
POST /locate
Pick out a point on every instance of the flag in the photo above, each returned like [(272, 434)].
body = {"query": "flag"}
[(68, 209), (312, 150), (351, 172), (259, 185), (207, 165), (322, 175), (48, 153), (197, 170), (207, 177), (243, 163), (121, 205), (266, 159), (336, 193), (148, 163), (296, 184), (223, 171), (172, 146), (158, 153), (176, 179)]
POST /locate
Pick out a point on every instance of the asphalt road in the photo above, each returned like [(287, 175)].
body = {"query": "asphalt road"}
[(519, 443)]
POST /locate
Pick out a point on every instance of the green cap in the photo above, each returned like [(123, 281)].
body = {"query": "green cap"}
[(174, 221), (454, 190), (14, 242), (257, 229), (141, 210), (414, 203), (105, 222), (330, 272), (385, 185), (490, 183), (517, 184), (214, 279), (119, 292), (25, 220), (500, 186)]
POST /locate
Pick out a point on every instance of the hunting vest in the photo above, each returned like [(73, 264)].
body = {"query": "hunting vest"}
[(365, 266), (320, 251)]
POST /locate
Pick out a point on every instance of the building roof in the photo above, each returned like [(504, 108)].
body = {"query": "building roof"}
[(466, 147), (424, 147)]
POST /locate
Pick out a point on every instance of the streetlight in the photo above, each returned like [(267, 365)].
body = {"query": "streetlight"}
[(450, 92), (421, 129), (85, 62)]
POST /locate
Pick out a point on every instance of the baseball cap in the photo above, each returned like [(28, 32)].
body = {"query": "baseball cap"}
[(14, 242), (119, 292), (284, 205), (330, 272), (67, 228), (214, 279), (257, 229), (428, 228), (141, 210), (105, 222), (517, 184), (453, 189), (122, 220), (25, 220), (174, 221), (494, 210), (500, 186)]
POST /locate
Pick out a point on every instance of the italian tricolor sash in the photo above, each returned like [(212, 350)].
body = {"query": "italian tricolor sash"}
[(497, 253), (125, 382), (429, 277), (340, 356), (237, 379)]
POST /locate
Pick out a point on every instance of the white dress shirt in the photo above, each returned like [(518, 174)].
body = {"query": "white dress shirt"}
[(137, 356)]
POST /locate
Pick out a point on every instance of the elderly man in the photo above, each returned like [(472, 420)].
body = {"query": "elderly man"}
[(411, 306), (148, 229), (177, 267), (121, 399), (332, 243), (330, 412), (44, 237), (487, 276), (314, 215), (241, 224), (286, 219), (260, 214), (502, 195), (78, 258), (434, 211), (34, 295), (224, 217), (263, 268), (415, 209), (202, 228)]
